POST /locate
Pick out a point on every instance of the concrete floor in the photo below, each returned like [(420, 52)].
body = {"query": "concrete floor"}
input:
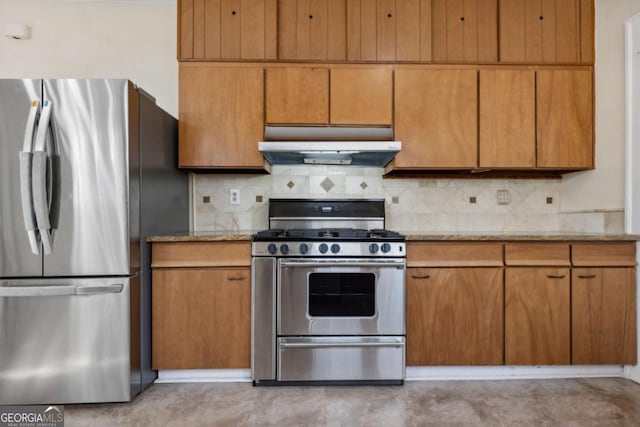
[(576, 402)]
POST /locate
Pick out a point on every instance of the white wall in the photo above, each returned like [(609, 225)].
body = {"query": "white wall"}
[(603, 188), (94, 40)]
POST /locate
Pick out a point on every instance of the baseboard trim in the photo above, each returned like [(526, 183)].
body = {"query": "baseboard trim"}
[(204, 376), (431, 373)]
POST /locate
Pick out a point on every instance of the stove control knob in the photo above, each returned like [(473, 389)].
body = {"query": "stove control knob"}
[(272, 248), (385, 247), (284, 248), (335, 248), (373, 248), (323, 248), (304, 248)]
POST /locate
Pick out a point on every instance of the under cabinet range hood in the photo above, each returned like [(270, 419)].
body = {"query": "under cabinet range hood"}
[(329, 145)]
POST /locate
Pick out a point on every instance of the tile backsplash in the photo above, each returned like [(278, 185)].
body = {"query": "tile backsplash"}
[(412, 205)]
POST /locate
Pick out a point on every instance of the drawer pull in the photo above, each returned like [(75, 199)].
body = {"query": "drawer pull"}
[(586, 276), (555, 276), (426, 276), (236, 279)]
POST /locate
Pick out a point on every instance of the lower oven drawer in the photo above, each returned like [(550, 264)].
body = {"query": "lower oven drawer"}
[(341, 358)]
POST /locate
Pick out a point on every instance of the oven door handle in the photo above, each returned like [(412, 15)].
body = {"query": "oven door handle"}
[(288, 343), (400, 263)]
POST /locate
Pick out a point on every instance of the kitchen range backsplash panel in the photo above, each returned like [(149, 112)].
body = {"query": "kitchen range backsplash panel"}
[(412, 205)]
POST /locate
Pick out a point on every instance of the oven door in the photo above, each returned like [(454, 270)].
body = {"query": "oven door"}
[(341, 296)]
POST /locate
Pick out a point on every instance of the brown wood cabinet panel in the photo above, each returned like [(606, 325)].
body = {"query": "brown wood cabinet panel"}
[(185, 29), (511, 18), (587, 31), (425, 31), (465, 30), (454, 254), (386, 30), (436, 115), (362, 29), (538, 254), (567, 31), (537, 319), (603, 313), (221, 116), (549, 35), (408, 31), (312, 30), (565, 119), (201, 254), (361, 96), (252, 16), (619, 254), (297, 95), (507, 119), (201, 318), (229, 29), (212, 35), (455, 316), (198, 28)]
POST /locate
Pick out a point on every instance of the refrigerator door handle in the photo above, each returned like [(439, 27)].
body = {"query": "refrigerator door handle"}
[(59, 290), (39, 176), (26, 194)]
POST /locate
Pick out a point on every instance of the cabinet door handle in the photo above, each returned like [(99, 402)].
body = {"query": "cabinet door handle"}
[(236, 279), (426, 276), (586, 276), (555, 276)]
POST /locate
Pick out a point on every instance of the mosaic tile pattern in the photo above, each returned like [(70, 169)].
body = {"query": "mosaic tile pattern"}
[(413, 205)]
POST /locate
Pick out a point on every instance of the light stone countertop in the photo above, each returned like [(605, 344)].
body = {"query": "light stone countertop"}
[(240, 235)]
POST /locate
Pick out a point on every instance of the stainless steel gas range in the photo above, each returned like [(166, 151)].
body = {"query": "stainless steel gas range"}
[(328, 294)]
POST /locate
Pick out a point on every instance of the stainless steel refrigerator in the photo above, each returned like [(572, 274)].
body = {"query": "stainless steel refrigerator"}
[(88, 169)]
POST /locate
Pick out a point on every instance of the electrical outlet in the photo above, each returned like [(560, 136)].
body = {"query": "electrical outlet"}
[(503, 197), (234, 196)]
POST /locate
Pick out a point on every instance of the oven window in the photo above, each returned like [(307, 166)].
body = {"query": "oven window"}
[(342, 294)]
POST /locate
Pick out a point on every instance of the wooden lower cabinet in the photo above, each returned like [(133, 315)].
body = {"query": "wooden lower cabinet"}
[(201, 318), (455, 316), (537, 316), (603, 313)]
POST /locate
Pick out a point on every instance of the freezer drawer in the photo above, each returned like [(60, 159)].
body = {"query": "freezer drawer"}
[(341, 358), (65, 341)]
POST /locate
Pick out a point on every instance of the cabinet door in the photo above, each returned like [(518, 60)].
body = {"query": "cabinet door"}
[(185, 29), (455, 316), (228, 29), (603, 316), (312, 30), (297, 95), (371, 29), (537, 317), (221, 116), (465, 30), (201, 318), (565, 119), (540, 31), (361, 96), (436, 118), (507, 119)]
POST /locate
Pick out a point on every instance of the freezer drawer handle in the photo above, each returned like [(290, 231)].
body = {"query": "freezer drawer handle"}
[(57, 291), (341, 344), (26, 194)]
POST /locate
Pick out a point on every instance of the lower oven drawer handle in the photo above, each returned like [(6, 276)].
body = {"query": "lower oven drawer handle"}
[(342, 344), (345, 263)]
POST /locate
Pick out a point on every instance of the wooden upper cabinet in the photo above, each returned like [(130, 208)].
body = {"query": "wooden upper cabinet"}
[(312, 30), (436, 116), (221, 116), (297, 95), (361, 96), (389, 30), (537, 316), (465, 30), (565, 119), (507, 119), (227, 29), (546, 31)]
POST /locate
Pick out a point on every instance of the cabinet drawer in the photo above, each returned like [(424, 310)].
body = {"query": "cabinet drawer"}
[(604, 254), (201, 254), (454, 254), (539, 254)]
